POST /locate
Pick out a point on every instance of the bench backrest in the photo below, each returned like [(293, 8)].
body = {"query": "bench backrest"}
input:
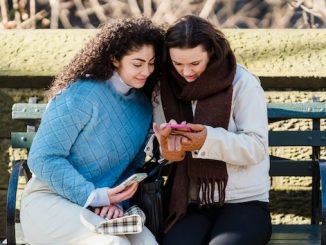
[(314, 138), (31, 113)]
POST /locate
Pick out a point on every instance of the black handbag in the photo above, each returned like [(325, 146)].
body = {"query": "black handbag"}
[(150, 195)]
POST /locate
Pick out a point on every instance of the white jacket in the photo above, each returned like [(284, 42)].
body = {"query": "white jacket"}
[(244, 146)]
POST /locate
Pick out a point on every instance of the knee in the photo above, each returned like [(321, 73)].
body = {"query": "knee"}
[(229, 240), (121, 240)]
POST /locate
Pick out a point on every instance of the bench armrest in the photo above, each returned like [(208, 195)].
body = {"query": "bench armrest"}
[(11, 200), (322, 167)]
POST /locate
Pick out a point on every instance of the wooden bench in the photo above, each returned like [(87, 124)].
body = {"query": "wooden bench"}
[(314, 233)]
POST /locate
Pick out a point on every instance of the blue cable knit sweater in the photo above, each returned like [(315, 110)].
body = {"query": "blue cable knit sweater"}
[(90, 137)]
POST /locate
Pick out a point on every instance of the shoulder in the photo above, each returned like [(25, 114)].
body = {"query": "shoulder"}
[(82, 90), (245, 80), (86, 87), (80, 96), (244, 77), (246, 85)]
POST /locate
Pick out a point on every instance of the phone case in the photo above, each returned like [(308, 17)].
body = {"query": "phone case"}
[(183, 127), (138, 177)]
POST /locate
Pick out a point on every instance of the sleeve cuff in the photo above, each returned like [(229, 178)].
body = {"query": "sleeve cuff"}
[(149, 146), (101, 197), (203, 152)]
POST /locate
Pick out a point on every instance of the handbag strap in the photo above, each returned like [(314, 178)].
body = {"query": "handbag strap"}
[(156, 159)]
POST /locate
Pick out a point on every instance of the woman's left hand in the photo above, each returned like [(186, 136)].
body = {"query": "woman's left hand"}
[(109, 212), (193, 140)]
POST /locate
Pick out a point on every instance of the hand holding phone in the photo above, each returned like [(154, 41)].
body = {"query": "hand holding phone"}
[(135, 178), (180, 127), (193, 140)]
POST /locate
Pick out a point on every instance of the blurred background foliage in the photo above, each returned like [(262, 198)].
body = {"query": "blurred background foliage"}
[(36, 14)]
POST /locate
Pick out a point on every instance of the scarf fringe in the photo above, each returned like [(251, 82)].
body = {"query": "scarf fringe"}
[(206, 187)]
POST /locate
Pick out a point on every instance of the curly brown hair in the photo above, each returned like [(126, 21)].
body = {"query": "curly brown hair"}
[(113, 41)]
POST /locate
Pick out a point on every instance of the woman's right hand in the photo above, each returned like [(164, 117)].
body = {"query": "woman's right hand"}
[(170, 144), (109, 212), (121, 193)]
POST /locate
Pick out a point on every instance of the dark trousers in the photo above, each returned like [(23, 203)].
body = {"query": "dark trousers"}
[(246, 223)]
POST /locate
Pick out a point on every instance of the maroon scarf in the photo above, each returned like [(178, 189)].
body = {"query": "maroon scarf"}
[(213, 92)]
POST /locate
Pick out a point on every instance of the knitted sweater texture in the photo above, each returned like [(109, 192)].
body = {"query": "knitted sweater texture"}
[(90, 136)]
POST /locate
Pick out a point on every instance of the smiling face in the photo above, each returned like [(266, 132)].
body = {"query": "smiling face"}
[(135, 67), (190, 63)]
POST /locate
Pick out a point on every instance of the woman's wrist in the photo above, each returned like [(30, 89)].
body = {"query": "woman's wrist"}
[(101, 197)]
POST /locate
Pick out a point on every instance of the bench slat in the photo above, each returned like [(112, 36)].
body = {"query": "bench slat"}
[(289, 167), (296, 110), (295, 234), (27, 111), (297, 138), (22, 139)]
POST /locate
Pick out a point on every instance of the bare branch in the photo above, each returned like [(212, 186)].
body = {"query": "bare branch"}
[(134, 8), (98, 10), (64, 13), (55, 5), (32, 9), (38, 16), (316, 12), (89, 11), (208, 7), (17, 13), (82, 14), (163, 12), (147, 8), (4, 16)]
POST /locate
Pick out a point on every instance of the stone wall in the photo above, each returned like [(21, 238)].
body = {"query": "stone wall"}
[(275, 55), (271, 53)]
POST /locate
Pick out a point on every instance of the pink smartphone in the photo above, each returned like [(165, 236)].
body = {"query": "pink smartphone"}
[(182, 127)]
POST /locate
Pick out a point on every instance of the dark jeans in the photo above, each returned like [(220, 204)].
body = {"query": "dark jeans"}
[(247, 223)]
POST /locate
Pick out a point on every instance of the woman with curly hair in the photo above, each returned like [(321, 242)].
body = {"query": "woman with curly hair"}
[(91, 137)]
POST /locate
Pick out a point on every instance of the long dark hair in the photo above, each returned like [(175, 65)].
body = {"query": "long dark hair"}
[(190, 31), (113, 41)]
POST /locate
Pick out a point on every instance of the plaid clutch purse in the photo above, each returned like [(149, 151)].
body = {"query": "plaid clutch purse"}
[(131, 223)]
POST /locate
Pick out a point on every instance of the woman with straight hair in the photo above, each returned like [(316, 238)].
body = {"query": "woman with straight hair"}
[(220, 183)]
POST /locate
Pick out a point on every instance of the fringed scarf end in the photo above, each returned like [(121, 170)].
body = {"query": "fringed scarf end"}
[(206, 187)]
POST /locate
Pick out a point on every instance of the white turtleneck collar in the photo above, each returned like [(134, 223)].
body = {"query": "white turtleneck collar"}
[(118, 84)]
